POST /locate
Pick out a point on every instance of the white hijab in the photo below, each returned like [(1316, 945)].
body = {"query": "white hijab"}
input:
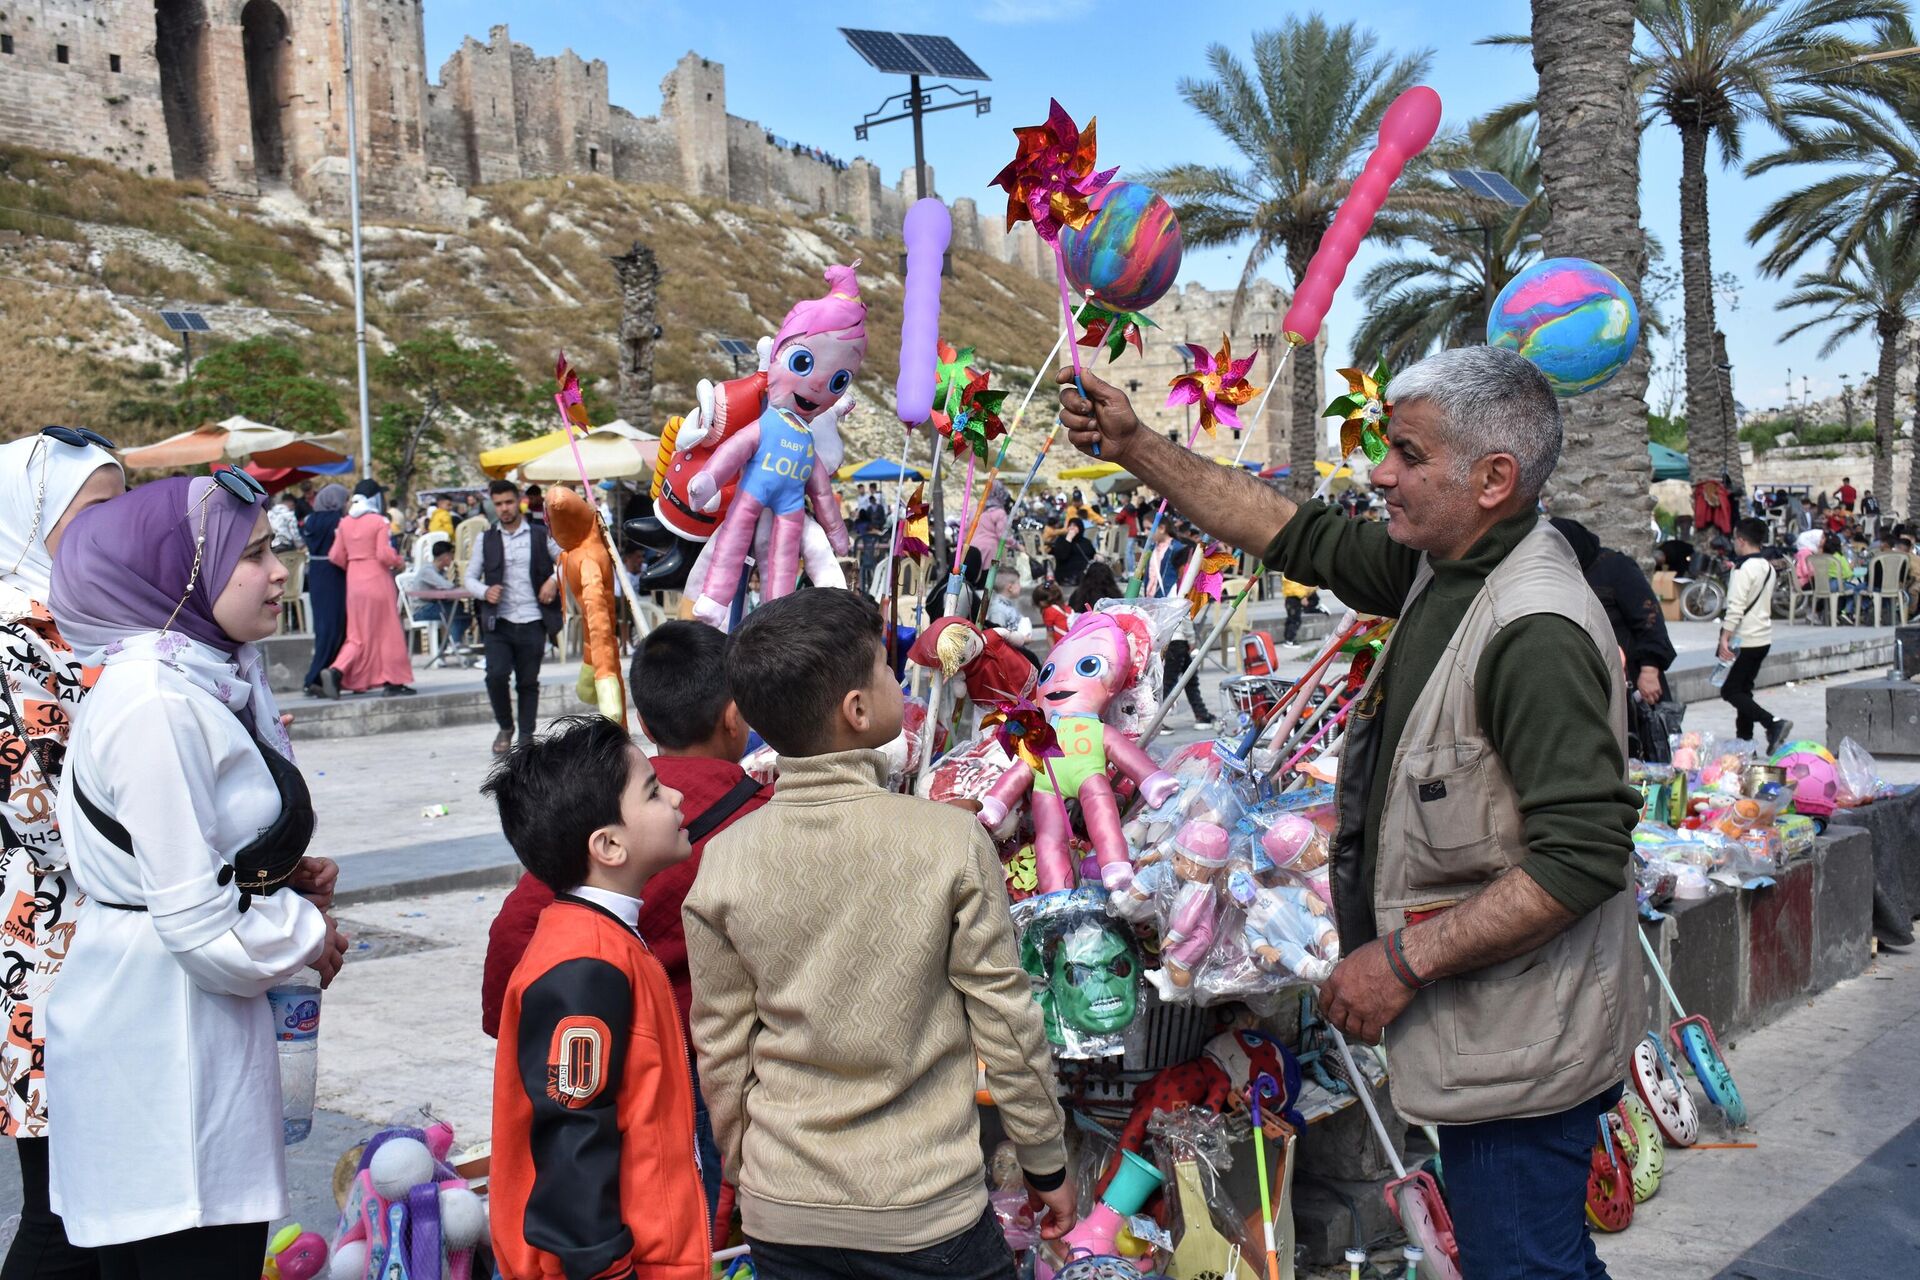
[(39, 478)]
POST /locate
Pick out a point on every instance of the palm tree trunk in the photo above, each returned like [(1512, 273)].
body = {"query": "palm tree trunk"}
[(1303, 434), (1590, 165), (1707, 443), (1886, 426)]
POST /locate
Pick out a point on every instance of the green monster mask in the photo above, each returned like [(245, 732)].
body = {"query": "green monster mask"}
[(1093, 980)]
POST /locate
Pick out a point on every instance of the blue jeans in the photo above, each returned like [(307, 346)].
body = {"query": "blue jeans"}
[(1517, 1191), (709, 1153)]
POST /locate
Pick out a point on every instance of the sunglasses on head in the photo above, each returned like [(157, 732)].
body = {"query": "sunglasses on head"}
[(243, 486), (78, 437)]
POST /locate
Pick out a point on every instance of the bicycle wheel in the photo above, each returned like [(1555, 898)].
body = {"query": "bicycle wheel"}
[(1700, 600)]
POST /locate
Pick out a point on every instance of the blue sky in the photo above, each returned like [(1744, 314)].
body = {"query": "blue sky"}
[(788, 68)]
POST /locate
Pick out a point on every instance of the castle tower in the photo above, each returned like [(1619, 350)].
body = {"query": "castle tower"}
[(694, 98)]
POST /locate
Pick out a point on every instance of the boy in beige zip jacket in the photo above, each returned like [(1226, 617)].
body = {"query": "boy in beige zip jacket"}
[(852, 954)]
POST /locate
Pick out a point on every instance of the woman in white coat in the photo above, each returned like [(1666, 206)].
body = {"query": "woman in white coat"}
[(184, 818), (45, 481)]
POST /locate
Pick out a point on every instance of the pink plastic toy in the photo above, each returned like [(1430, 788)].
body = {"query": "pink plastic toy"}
[(1199, 853), (1101, 656), (816, 356), (294, 1254)]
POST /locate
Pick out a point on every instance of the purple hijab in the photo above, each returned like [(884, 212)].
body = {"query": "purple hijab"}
[(123, 565)]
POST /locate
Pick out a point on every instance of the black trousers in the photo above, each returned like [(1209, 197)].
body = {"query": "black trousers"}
[(978, 1253), (1293, 619), (1179, 657), (513, 651), (202, 1253), (1738, 691), (40, 1248)]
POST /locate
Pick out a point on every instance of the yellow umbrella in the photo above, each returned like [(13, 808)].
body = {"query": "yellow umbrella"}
[(1092, 471), (498, 462), (615, 451)]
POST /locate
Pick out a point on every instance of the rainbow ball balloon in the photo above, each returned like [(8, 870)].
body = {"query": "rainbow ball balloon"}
[(1128, 255), (1572, 318)]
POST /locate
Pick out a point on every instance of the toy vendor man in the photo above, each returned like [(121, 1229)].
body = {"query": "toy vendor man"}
[(1480, 867)]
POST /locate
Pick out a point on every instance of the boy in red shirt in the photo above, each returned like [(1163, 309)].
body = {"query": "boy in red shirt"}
[(594, 1173), (679, 684)]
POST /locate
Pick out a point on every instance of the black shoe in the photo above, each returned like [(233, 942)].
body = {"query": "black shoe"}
[(1202, 721), (399, 691), (1778, 734), (502, 742), (330, 683), (315, 691)]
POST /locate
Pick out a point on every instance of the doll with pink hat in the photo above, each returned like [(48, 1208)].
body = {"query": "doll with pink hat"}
[(1199, 855)]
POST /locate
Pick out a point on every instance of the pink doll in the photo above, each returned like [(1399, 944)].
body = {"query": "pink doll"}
[(1102, 656), (1199, 853), (816, 354), (1295, 843)]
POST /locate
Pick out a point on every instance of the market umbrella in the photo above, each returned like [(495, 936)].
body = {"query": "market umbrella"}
[(878, 469), (615, 451), (1668, 464), (1321, 468), (277, 478), (237, 440), (1093, 471)]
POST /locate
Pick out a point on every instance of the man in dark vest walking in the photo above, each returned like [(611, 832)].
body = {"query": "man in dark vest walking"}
[(512, 577), (1480, 867)]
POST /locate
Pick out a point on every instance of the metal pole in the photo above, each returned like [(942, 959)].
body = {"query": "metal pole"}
[(353, 210), (919, 147)]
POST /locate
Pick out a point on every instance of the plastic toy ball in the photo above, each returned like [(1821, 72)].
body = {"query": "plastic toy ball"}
[(1572, 318), (1129, 254)]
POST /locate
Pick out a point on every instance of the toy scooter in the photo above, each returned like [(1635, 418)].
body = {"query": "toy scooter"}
[(1413, 1197), (1694, 1037)]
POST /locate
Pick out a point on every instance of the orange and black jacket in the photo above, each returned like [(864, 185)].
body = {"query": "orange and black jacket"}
[(594, 1173)]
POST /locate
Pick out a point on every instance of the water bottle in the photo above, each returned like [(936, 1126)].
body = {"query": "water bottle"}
[(1725, 665), (296, 1032)]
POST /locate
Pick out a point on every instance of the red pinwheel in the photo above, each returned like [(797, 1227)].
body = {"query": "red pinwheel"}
[(1022, 729), (1113, 330), (1051, 175), (911, 533), (1218, 384), (572, 407)]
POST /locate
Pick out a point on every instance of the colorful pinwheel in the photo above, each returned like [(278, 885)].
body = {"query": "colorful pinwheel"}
[(1022, 729), (1218, 384), (911, 534), (1212, 582), (951, 371), (978, 421), (1051, 175), (1367, 412), (572, 407), (1113, 329)]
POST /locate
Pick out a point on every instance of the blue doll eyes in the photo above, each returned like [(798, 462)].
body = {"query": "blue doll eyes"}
[(800, 361), (1090, 666), (841, 381)]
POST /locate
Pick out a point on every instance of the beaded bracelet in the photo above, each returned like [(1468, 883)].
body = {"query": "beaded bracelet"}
[(1397, 961)]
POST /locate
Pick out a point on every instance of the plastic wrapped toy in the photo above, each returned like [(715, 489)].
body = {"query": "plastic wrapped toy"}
[(1287, 928), (770, 455), (1096, 681), (407, 1213), (993, 670), (1190, 908), (1204, 792), (1085, 970), (588, 567)]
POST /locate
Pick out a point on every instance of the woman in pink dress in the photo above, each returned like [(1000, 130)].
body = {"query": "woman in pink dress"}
[(375, 654)]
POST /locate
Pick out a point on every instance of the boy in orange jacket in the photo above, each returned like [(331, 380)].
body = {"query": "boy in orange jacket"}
[(594, 1175)]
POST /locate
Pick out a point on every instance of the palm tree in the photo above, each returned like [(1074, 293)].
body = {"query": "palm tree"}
[(1418, 301), (1588, 97), (1303, 120), (1711, 68), (1873, 285), (1870, 152)]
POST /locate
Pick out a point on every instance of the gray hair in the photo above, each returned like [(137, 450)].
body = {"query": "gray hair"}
[(1493, 401)]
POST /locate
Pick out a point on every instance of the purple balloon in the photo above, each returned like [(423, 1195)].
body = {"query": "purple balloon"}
[(928, 230)]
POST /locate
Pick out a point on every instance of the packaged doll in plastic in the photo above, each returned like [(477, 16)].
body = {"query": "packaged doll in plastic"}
[(1085, 971), (1188, 906)]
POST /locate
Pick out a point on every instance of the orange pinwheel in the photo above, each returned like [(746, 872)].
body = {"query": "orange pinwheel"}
[(1218, 384), (1051, 175)]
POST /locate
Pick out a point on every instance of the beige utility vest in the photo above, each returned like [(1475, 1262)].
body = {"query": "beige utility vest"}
[(1545, 1030)]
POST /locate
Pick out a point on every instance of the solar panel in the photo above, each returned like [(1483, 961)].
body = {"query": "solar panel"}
[(1488, 185), (886, 52), (735, 347), (185, 322), (944, 56), (174, 321), (196, 322)]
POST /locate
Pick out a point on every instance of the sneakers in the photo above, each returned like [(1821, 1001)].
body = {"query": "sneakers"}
[(1781, 730)]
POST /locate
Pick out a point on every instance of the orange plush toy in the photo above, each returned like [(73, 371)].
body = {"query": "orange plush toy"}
[(588, 567)]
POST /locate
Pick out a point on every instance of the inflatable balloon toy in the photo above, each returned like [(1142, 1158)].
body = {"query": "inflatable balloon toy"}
[(1572, 318), (1102, 668), (993, 669), (1085, 971), (789, 411), (1127, 255), (588, 568)]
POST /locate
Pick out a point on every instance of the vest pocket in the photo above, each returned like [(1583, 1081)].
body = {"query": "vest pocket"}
[(1504, 1021), (1451, 813)]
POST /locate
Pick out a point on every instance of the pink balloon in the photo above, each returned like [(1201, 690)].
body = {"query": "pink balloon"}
[(1407, 127), (928, 230)]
